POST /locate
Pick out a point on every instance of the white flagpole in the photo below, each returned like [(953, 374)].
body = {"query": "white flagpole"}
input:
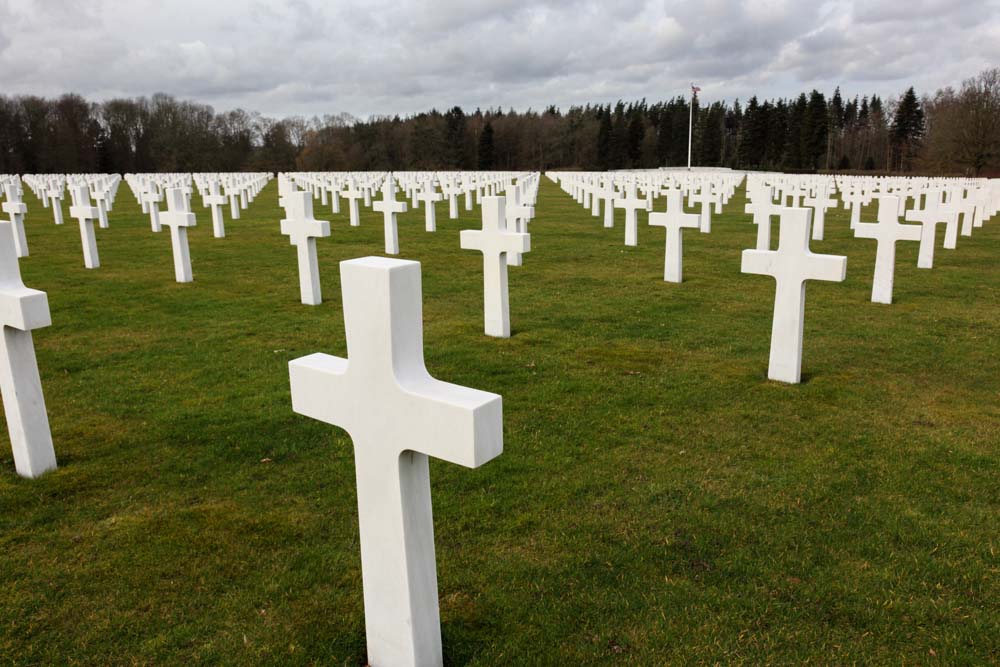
[(690, 125)]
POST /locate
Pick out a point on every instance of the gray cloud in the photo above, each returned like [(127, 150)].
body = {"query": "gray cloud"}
[(400, 56)]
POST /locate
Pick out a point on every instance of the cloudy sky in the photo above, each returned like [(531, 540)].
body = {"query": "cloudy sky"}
[(309, 57)]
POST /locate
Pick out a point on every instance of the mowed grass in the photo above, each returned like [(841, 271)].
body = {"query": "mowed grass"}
[(658, 500)]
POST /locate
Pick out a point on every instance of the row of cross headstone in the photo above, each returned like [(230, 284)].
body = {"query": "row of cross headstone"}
[(385, 374), (303, 229), (800, 204), (383, 321)]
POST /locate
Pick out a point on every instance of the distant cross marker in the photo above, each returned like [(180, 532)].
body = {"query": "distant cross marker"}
[(353, 194), (178, 219), (631, 202), (705, 197), (303, 230), (819, 204), (216, 201), (887, 231), (397, 415), (56, 194), (16, 209), (674, 220), (152, 199), (791, 265), (389, 206), (517, 215), (763, 207), (929, 217), (497, 244), (21, 310), (86, 215), (428, 196)]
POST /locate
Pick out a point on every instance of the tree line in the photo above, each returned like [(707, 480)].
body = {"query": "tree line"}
[(953, 131)]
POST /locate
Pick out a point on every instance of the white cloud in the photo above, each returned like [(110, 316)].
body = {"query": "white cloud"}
[(401, 56)]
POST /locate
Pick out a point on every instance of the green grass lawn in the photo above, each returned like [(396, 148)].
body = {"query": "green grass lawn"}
[(658, 500)]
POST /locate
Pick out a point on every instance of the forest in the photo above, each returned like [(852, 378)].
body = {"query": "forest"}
[(948, 132)]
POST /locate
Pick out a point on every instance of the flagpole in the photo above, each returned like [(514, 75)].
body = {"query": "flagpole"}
[(690, 125)]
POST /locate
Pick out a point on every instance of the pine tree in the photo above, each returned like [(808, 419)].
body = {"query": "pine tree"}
[(636, 133), (486, 147), (907, 130), (604, 140)]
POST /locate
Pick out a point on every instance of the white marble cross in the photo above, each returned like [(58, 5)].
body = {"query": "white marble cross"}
[(86, 214), (674, 220), (216, 200), (791, 265), (950, 213), (762, 207), (21, 310), (887, 231), (705, 197), (497, 244), (929, 217), (397, 415), (517, 215), (353, 194), (303, 230), (631, 202), (178, 219), (102, 207), (389, 206), (152, 199), (608, 195), (233, 192), (819, 204), (16, 209), (56, 194), (334, 190), (429, 195)]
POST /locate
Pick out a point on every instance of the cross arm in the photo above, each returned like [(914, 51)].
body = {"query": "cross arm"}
[(827, 267), (24, 308), (465, 425), (760, 262)]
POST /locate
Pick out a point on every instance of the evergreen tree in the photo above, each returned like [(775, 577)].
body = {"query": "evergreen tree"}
[(907, 129), (663, 139), (604, 140), (486, 147), (815, 129), (636, 133)]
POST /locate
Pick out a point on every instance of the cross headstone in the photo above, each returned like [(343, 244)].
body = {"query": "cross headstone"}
[(303, 230), (152, 198), (353, 194), (631, 202), (762, 207), (674, 220), (21, 310), (389, 207), (705, 197), (178, 219), (887, 231), (233, 192), (429, 195), (397, 415), (791, 265), (56, 194), (16, 209), (496, 243), (819, 204), (216, 200), (86, 215), (929, 217), (608, 195), (517, 214)]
